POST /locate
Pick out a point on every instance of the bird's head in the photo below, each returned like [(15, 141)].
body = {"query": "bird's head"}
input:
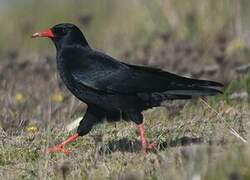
[(63, 34)]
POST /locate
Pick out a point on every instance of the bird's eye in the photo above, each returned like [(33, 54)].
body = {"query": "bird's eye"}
[(60, 31)]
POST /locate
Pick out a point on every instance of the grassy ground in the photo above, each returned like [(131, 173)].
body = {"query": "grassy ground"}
[(193, 141)]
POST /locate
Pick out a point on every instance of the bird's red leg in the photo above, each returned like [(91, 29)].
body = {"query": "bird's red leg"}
[(144, 143), (60, 147)]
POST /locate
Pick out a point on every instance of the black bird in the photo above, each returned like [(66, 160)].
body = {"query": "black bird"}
[(114, 90)]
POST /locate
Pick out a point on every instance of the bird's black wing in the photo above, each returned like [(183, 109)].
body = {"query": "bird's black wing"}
[(103, 73)]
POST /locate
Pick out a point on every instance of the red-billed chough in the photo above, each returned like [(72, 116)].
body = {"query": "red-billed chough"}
[(112, 89)]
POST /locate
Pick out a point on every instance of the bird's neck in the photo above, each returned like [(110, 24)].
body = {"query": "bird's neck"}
[(60, 44)]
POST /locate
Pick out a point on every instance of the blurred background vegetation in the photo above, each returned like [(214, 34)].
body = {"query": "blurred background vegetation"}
[(116, 25)]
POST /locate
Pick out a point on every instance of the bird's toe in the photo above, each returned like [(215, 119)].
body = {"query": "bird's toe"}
[(149, 146), (59, 148)]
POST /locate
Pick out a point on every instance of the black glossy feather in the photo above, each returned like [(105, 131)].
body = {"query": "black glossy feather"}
[(102, 73)]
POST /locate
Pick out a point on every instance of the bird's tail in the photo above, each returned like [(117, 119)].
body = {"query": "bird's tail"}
[(186, 88)]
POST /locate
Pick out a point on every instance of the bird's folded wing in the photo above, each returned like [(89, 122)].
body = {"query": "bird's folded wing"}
[(129, 79)]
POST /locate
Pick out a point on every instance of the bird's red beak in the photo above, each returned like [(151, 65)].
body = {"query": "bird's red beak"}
[(46, 33)]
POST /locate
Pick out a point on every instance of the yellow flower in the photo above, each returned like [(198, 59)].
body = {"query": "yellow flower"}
[(57, 97), (19, 97), (32, 129), (235, 45)]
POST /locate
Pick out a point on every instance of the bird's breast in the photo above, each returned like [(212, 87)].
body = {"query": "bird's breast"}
[(81, 92)]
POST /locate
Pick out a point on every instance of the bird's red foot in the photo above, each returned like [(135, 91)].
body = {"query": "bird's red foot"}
[(145, 145), (59, 148), (148, 147)]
